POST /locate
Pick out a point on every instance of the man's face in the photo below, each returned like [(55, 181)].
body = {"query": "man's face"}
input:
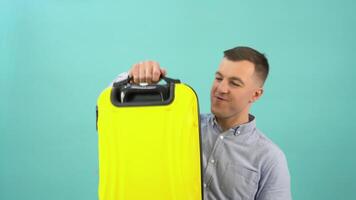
[(234, 89)]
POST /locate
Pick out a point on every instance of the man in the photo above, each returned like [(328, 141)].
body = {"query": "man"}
[(239, 161)]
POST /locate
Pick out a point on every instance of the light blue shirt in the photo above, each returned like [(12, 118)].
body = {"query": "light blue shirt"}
[(242, 163)]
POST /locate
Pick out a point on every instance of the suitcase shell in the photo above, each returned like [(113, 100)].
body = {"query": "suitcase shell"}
[(150, 152)]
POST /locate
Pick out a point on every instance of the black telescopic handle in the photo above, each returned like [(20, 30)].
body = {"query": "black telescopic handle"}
[(169, 80)]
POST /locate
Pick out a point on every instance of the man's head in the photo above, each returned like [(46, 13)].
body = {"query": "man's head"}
[(258, 59), (238, 82)]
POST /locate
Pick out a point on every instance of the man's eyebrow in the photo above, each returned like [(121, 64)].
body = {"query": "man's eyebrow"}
[(235, 78), (218, 73)]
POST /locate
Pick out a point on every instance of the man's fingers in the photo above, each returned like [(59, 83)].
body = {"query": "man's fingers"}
[(134, 72), (156, 73), (147, 71), (148, 75), (163, 71), (142, 73)]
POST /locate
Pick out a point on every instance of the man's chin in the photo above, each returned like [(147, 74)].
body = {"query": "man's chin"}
[(221, 113), (217, 113)]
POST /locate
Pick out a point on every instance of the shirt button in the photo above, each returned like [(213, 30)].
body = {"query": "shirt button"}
[(212, 161), (204, 185), (238, 132), (221, 137)]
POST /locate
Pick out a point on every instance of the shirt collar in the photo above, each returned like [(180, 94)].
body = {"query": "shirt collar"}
[(238, 129)]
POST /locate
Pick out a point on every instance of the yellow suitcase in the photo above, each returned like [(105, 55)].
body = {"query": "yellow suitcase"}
[(149, 142)]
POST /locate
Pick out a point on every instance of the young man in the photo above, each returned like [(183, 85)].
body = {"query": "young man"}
[(239, 161)]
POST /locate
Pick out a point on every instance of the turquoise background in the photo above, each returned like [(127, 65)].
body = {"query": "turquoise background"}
[(56, 57)]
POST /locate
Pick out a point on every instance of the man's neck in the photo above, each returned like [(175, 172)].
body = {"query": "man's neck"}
[(227, 123)]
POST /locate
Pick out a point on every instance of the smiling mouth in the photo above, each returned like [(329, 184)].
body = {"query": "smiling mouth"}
[(220, 98)]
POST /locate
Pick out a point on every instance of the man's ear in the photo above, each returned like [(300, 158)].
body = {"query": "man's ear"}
[(256, 95)]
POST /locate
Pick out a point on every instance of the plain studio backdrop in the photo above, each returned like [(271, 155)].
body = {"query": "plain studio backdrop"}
[(57, 56)]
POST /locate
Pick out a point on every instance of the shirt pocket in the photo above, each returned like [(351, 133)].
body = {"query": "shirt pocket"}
[(238, 182)]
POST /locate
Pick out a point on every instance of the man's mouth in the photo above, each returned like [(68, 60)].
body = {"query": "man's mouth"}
[(220, 98)]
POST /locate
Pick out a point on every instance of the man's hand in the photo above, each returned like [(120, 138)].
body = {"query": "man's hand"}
[(146, 72)]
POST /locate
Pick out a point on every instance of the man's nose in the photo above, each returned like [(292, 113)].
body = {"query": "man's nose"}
[(223, 87)]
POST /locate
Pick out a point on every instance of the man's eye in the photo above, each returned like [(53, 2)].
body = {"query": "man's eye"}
[(235, 84), (218, 78)]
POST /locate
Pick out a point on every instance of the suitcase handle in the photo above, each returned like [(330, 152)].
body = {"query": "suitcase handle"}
[(125, 93), (130, 78)]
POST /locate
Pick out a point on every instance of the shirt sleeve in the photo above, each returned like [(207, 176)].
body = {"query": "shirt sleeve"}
[(122, 76), (275, 180)]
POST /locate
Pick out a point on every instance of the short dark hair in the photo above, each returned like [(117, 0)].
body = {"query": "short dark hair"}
[(260, 61)]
